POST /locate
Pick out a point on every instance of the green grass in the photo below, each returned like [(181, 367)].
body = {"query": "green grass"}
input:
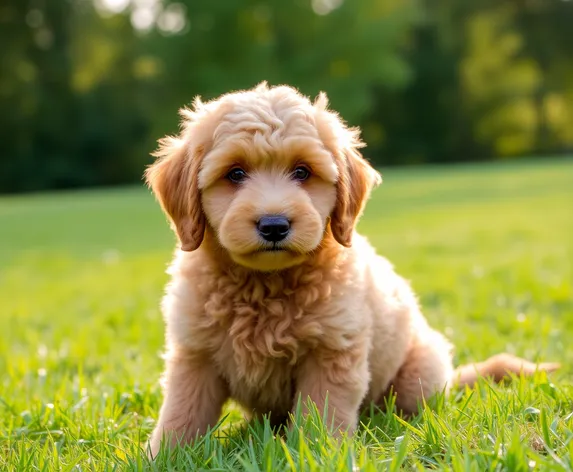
[(489, 249)]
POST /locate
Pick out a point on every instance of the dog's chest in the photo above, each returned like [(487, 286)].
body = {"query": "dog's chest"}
[(261, 344), (260, 336), (257, 380)]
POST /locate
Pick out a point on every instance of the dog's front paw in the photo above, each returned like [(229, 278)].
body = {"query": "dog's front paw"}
[(161, 438), (153, 445)]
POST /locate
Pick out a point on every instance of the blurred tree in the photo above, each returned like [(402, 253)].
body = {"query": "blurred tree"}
[(55, 124), (70, 97), (87, 86), (491, 78), (345, 49), (499, 82), (424, 121), (39, 117), (17, 101), (113, 127), (548, 40)]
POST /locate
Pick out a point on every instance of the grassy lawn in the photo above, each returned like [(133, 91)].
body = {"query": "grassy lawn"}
[(488, 248)]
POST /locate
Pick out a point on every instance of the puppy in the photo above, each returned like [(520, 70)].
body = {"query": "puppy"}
[(273, 295)]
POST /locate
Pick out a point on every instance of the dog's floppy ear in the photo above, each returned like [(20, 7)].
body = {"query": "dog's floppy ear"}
[(174, 180), (356, 178), (355, 182)]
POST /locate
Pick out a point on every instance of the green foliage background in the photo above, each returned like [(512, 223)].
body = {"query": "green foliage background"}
[(87, 86)]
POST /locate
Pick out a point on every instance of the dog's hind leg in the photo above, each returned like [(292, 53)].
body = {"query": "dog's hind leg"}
[(426, 371)]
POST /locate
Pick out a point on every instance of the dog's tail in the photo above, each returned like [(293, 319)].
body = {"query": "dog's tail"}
[(499, 367)]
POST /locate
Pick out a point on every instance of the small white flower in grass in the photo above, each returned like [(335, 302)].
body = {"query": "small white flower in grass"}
[(49, 406), (80, 404), (111, 256), (500, 301), (63, 351), (478, 271), (42, 372), (42, 351), (521, 317)]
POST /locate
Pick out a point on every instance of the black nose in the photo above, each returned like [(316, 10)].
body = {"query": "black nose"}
[(273, 228)]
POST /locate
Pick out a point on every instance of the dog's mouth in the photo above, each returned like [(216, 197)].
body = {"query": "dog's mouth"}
[(273, 248), (271, 257)]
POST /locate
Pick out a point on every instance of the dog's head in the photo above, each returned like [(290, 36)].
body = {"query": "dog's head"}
[(267, 172)]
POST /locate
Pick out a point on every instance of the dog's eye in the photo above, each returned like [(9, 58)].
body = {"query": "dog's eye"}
[(301, 173), (237, 175)]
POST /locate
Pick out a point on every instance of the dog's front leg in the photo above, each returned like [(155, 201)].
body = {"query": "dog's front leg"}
[(194, 396), (337, 380)]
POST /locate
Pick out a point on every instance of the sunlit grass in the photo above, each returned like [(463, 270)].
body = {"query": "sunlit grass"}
[(489, 250)]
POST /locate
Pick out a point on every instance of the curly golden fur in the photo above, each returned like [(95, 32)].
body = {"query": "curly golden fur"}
[(316, 313)]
